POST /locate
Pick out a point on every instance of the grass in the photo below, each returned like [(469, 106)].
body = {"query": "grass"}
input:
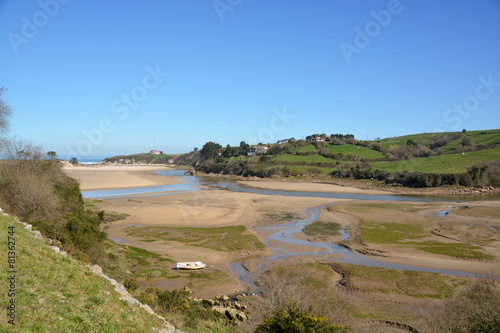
[(227, 239), (477, 212), (400, 224), (410, 283), (321, 228), (317, 276), (362, 152), (306, 158), (489, 137), (57, 294), (448, 163), (306, 149)]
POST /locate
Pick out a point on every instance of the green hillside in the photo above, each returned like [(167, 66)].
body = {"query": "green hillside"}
[(361, 151), (144, 158), (451, 154), (449, 163), (57, 294)]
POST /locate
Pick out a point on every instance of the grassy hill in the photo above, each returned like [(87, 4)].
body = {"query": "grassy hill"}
[(450, 154), (144, 158), (57, 294)]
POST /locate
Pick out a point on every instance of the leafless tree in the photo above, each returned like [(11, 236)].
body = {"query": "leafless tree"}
[(5, 112)]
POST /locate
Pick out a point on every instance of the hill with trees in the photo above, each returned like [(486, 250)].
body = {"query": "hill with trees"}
[(467, 158)]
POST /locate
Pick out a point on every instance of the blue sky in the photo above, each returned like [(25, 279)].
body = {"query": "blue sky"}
[(118, 77)]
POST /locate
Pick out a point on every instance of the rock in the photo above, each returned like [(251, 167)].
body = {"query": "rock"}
[(64, 254), (219, 309), (231, 313), (209, 302), (29, 227), (188, 290), (55, 249), (225, 298), (96, 269), (121, 290), (237, 305), (38, 235), (241, 316), (147, 308), (130, 300)]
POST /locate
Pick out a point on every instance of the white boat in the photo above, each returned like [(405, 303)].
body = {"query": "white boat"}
[(190, 265)]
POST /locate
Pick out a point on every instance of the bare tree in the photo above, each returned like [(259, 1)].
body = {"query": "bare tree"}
[(5, 112), (18, 150)]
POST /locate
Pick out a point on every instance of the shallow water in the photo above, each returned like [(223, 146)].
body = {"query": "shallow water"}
[(284, 231)]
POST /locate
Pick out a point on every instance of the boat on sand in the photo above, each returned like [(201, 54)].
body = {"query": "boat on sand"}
[(190, 265)]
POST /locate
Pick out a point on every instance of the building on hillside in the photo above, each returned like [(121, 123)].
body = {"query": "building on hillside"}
[(317, 139), (155, 152), (257, 150)]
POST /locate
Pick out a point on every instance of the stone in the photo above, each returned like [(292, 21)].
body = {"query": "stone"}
[(29, 227), (209, 302), (130, 300), (96, 269), (64, 254), (55, 249), (147, 308), (237, 305), (219, 309), (241, 316), (231, 313), (38, 235), (225, 298)]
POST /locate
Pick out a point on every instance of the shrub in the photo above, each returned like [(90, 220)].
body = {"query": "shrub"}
[(131, 284), (292, 318)]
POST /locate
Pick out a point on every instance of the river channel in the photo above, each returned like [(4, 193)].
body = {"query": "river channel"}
[(283, 232)]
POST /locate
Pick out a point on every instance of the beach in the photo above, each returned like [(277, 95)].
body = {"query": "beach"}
[(219, 208)]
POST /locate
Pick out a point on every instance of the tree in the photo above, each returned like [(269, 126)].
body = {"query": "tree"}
[(244, 147), (210, 150), (227, 151), (74, 161), (411, 143), (5, 112), (195, 149), (52, 155)]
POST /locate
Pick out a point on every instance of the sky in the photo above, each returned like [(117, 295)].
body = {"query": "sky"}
[(114, 77)]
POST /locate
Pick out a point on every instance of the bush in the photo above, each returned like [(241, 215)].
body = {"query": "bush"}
[(131, 284), (292, 318)]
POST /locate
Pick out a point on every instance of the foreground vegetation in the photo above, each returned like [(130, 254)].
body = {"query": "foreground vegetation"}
[(57, 294)]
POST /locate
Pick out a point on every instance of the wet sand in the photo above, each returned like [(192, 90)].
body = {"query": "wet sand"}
[(223, 208)]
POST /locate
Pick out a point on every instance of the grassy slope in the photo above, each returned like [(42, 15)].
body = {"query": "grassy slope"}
[(362, 152), (56, 294), (144, 157), (488, 137), (449, 163)]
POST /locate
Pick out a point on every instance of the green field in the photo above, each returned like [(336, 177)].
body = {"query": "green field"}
[(306, 149), (449, 163), (480, 138), (361, 151), (306, 158)]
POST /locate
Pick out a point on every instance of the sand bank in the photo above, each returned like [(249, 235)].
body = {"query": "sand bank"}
[(309, 187), (101, 177)]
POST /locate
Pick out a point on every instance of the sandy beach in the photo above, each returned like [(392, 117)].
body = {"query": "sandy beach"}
[(100, 177), (216, 208)]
